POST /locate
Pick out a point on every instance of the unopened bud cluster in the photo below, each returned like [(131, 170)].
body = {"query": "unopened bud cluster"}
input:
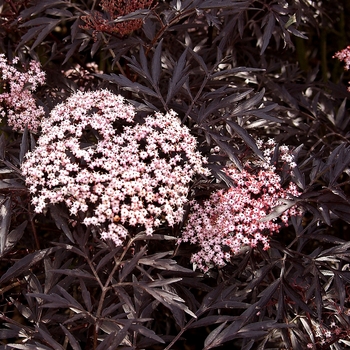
[(113, 9)]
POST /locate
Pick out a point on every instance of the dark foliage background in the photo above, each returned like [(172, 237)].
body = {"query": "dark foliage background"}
[(234, 71)]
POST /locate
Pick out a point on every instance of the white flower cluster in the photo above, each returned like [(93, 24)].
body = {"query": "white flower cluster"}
[(113, 175)]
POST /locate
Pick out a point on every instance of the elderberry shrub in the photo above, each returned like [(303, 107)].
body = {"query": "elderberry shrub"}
[(174, 174)]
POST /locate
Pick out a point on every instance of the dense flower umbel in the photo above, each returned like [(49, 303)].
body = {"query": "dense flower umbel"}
[(344, 55), (232, 219), (17, 102), (138, 176)]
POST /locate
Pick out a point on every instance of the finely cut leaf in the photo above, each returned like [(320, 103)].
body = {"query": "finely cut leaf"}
[(267, 32), (249, 140), (61, 221), (210, 340), (74, 344), (130, 265), (24, 145), (5, 221), (156, 63), (25, 263), (178, 78)]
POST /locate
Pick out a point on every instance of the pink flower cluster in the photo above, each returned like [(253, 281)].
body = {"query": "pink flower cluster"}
[(234, 218), (344, 55), (19, 104), (112, 175)]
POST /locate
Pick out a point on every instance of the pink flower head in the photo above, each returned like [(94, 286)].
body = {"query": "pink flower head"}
[(18, 103), (344, 55), (236, 215), (113, 175)]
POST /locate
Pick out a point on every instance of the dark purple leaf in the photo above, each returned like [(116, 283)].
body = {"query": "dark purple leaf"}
[(211, 339), (269, 22), (72, 48), (75, 273), (279, 210), (297, 33), (178, 78), (169, 300), (25, 263), (210, 299), (200, 60), (12, 184), (71, 248), (61, 220), (249, 140), (297, 300), (164, 264), (125, 299), (27, 346), (147, 333), (229, 72), (86, 295), (49, 339), (9, 333), (142, 13), (45, 30), (107, 258), (155, 236), (233, 6), (73, 302), (41, 7), (220, 175), (5, 221), (59, 12), (127, 84), (23, 310), (265, 297), (33, 283), (157, 64), (52, 300), (244, 107), (164, 282), (115, 339), (340, 289), (128, 266), (73, 342), (38, 21), (341, 118), (111, 308), (229, 304), (96, 46), (324, 210), (24, 146), (227, 148), (143, 69), (211, 320), (219, 103)]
